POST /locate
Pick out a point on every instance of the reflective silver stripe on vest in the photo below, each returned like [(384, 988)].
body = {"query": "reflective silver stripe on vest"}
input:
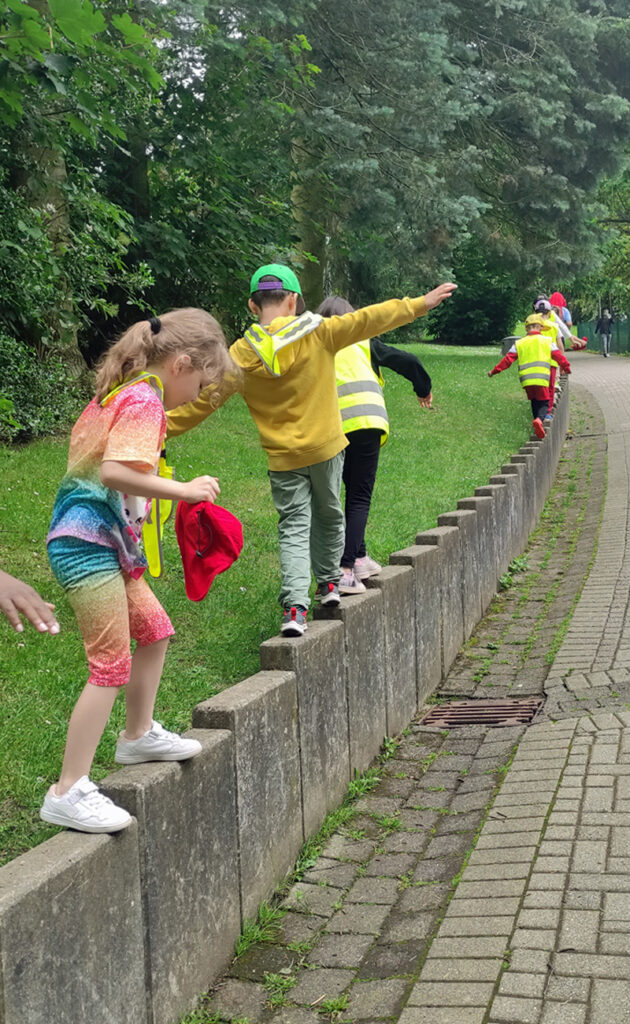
[(355, 387), (534, 376), (529, 366), (303, 325), (365, 410)]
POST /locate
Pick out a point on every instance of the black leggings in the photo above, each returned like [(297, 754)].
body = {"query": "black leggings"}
[(540, 408), (359, 473)]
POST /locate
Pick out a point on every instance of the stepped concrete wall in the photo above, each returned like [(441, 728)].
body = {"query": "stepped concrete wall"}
[(133, 927)]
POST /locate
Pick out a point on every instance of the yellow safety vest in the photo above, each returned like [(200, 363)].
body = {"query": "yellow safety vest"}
[(534, 360), (360, 391), (266, 345)]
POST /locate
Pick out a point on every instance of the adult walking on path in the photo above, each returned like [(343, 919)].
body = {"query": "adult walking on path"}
[(603, 327), (486, 879)]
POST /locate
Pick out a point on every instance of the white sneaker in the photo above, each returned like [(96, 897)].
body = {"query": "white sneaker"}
[(350, 583), (366, 566), (158, 744), (84, 808)]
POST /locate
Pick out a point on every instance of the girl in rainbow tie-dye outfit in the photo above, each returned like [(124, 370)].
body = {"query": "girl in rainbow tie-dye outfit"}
[(95, 551)]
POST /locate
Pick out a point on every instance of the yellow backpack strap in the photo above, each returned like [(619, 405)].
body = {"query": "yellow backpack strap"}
[(153, 529), (150, 378)]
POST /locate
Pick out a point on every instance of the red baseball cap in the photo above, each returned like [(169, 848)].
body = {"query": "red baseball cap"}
[(210, 538), (557, 299)]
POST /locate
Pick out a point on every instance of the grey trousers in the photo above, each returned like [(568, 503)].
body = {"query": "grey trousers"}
[(310, 527)]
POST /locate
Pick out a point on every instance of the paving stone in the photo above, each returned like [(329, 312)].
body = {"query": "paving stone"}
[(568, 989), (295, 1015), (239, 999), (461, 970), (497, 855), (615, 943), (405, 842), (370, 999), (537, 900), (374, 890), (483, 947), (387, 960), (261, 959), (592, 965), (340, 847), (533, 938), (340, 950), (610, 1001), (402, 927), (447, 845), (358, 918), (392, 864), (548, 918), (496, 872), (423, 897), (439, 869), (486, 925), (617, 906), (472, 890), (451, 993), (312, 899), (582, 900), (332, 872), (580, 929), (514, 1009), (449, 823), (564, 1013), (507, 906), (298, 927), (443, 1015), (414, 819), (530, 961), (323, 982), (530, 986)]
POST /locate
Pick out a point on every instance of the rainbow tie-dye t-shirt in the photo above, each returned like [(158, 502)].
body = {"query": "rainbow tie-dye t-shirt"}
[(129, 428)]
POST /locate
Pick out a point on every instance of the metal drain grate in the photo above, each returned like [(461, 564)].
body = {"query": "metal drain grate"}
[(483, 712)]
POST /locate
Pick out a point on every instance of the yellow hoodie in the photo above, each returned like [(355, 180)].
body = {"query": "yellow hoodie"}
[(297, 411)]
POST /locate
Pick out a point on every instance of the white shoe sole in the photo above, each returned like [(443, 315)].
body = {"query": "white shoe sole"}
[(60, 819), (349, 591), (121, 758), (294, 631)]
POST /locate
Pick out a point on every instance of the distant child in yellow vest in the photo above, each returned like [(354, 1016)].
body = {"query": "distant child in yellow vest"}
[(535, 354), (288, 383), (366, 426)]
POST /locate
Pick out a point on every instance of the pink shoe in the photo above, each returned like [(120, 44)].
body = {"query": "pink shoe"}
[(350, 583), (365, 567)]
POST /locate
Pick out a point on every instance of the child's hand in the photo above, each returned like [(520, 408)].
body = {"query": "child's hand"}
[(427, 401), (202, 488), (490, 374), (443, 291), (18, 598)]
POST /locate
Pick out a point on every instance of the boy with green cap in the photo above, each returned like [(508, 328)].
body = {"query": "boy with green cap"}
[(288, 382)]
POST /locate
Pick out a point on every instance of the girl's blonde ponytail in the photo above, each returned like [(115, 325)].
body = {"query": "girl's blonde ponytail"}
[(191, 331)]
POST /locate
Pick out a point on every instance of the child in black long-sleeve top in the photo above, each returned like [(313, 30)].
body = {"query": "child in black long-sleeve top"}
[(366, 426)]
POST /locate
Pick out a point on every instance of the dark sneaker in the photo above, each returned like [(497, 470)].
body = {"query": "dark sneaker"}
[(293, 621), (539, 430), (327, 594)]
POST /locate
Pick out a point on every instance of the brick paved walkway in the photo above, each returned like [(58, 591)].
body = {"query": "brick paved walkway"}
[(486, 878)]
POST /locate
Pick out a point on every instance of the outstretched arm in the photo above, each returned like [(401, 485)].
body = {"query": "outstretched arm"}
[(405, 363), (507, 360), (123, 477), (185, 417), (337, 332)]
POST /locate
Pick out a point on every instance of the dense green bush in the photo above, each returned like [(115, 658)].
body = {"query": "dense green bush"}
[(43, 395)]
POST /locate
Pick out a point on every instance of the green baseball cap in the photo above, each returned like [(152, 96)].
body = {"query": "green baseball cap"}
[(286, 278)]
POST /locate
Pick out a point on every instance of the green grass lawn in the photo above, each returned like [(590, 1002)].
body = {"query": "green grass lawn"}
[(431, 460)]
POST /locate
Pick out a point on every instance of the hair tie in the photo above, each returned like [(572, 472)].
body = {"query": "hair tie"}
[(155, 324)]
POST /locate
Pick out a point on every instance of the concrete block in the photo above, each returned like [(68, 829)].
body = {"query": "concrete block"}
[(512, 476), (447, 539), (530, 495), (317, 659), (424, 559), (487, 541), (465, 520), (396, 584), (71, 932), (364, 643), (188, 868), (500, 506), (261, 713)]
